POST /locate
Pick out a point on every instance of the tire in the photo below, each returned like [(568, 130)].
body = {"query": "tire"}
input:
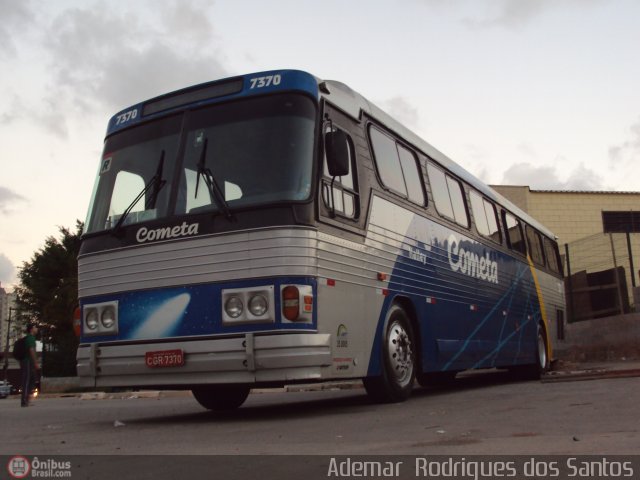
[(398, 360), (436, 379), (542, 359), (541, 365), (221, 398)]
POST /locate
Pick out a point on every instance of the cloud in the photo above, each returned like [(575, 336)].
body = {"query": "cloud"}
[(547, 178), (516, 14), (7, 198), (106, 58), (7, 270), (43, 114), (628, 152), (528, 150), (16, 16), (400, 108)]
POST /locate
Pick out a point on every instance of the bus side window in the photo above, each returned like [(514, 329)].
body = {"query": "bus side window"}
[(345, 200), (397, 166), (484, 215), (447, 195), (513, 227), (551, 252), (411, 174), (535, 245)]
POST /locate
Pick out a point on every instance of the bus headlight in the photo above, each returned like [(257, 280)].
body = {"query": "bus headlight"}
[(233, 306), (108, 317), (100, 318), (258, 305), (248, 305), (92, 320)]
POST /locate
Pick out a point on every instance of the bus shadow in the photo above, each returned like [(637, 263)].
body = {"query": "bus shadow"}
[(295, 405), (471, 380), (289, 405)]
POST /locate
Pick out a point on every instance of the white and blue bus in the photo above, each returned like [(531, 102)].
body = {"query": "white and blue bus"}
[(275, 228)]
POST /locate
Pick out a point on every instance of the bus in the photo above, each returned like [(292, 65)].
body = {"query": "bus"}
[(276, 228)]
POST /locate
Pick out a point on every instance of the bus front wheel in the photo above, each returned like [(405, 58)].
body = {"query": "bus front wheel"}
[(398, 360), (220, 397)]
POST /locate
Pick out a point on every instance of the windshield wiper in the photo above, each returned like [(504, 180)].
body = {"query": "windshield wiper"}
[(156, 182), (210, 181)]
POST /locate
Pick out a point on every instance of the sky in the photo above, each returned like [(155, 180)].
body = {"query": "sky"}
[(544, 93)]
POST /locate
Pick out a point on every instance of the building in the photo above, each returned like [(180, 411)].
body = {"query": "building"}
[(7, 309), (574, 215)]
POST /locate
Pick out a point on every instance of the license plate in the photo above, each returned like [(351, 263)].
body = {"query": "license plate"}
[(164, 358)]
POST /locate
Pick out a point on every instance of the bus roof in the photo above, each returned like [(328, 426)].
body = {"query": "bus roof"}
[(336, 93)]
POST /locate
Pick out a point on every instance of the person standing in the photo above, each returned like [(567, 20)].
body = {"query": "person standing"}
[(29, 364)]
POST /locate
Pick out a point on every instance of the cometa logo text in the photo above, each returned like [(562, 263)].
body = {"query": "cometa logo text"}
[(145, 235), (470, 263)]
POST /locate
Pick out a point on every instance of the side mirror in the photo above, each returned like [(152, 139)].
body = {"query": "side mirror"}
[(336, 145)]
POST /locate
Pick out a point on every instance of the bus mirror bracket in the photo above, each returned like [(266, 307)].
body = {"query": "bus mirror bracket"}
[(336, 144)]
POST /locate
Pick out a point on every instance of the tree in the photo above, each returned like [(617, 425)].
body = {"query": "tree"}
[(48, 295)]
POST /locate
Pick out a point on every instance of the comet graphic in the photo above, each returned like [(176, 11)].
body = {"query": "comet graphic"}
[(164, 320)]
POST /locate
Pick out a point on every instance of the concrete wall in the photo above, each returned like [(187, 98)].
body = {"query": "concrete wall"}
[(610, 338), (60, 384)]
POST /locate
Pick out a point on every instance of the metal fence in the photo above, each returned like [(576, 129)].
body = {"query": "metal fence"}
[(601, 275)]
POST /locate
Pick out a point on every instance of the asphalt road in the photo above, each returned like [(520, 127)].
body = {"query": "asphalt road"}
[(482, 414)]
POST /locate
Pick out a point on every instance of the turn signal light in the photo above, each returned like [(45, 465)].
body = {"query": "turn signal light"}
[(77, 321), (291, 303), (308, 303)]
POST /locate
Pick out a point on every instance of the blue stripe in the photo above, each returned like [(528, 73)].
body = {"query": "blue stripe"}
[(510, 292)]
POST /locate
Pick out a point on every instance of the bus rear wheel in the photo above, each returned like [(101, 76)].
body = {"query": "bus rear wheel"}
[(535, 370), (220, 397), (398, 360)]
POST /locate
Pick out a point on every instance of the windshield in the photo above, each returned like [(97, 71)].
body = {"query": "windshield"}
[(257, 151)]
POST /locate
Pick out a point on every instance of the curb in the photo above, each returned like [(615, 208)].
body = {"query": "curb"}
[(583, 375)]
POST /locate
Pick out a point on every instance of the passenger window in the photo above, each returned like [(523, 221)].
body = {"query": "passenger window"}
[(411, 175), (447, 195), (387, 161), (492, 221), (344, 200), (551, 252), (440, 191), (535, 245), (457, 200), (514, 233), (397, 166), (484, 215)]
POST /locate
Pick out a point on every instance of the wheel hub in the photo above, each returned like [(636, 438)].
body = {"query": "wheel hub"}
[(400, 353)]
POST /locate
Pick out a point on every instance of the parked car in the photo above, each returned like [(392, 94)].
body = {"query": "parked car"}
[(5, 389)]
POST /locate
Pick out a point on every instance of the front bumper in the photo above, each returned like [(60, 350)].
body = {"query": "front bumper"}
[(248, 359)]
